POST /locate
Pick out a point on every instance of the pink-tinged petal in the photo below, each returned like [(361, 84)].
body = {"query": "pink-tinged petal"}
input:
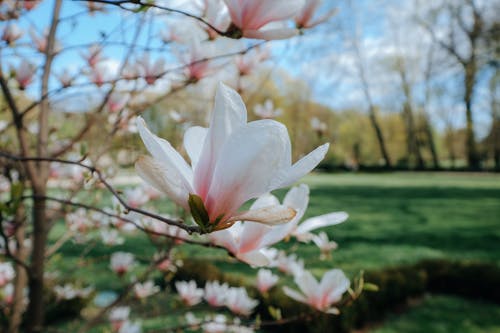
[(164, 178), (265, 200), (294, 295), (301, 167), (298, 199), (247, 164), (164, 153), (268, 215), (225, 239), (333, 284), (228, 115), (271, 34), (321, 19), (193, 143), (255, 258), (251, 236), (258, 13), (307, 284), (235, 8), (321, 222), (307, 12)]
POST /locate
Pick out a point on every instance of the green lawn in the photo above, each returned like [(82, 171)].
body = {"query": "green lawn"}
[(395, 218)]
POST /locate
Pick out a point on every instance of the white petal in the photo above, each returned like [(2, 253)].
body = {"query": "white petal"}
[(333, 310), (307, 283), (164, 153), (268, 215), (247, 165), (255, 258), (321, 222), (193, 143), (251, 236), (294, 294), (334, 283), (260, 13), (265, 200), (228, 115), (301, 168), (164, 179), (225, 239), (271, 34)]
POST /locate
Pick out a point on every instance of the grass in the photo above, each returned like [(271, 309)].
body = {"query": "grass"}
[(395, 218)]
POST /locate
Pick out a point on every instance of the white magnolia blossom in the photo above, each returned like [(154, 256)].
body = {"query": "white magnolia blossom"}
[(267, 110), (324, 244), (215, 293), (307, 17), (122, 262), (231, 162), (238, 301), (189, 292), (130, 327), (119, 313), (69, 291), (111, 237), (322, 295), (11, 33), (266, 280), (146, 289), (288, 264)]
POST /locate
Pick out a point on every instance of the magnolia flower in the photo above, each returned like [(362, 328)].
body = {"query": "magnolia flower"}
[(146, 289), (251, 18), (98, 74), (306, 19), (151, 71), (318, 125), (118, 316), (8, 293), (189, 293), (322, 295), (68, 292), (30, 4), (7, 273), (11, 33), (136, 197), (196, 65), (216, 325), (65, 78), (117, 101), (215, 293), (215, 13), (41, 41), (93, 55), (111, 237), (79, 221), (288, 264), (325, 245), (24, 74), (238, 302), (247, 62), (267, 110), (266, 280), (121, 262), (231, 162)]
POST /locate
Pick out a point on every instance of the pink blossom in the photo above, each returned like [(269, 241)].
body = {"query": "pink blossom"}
[(118, 316), (324, 244), (247, 62), (11, 33), (93, 55), (215, 293), (196, 65), (306, 17), (41, 42), (7, 273), (266, 280), (251, 18), (189, 292), (122, 262), (146, 289), (322, 295), (215, 12), (24, 74), (151, 71), (30, 4), (65, 78), (231, 162)]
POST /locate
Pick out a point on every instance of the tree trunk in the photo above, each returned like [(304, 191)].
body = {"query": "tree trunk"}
[(472, 153), (380, 137), (430, 141)]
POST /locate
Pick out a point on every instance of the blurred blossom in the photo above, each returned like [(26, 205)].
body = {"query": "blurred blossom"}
[(24, 74), (98, 74), (122, 262), (267, 110), (231, 154), (7, 273), (266, 280), (111, 237), (324, 244), (307, 17), (93, 56), (79, 221), (136, 197), (11, 33), (288, 264), (40, 41), (146, 289), (8, 293), (118, 316), (255, 18), (216, 13), (65, 78), (150, 71), (117, 101), (189, 292), (215, 293), (322, 295), (238, 302), (215, 325), (69, 291), (246, 63), (319, 126)]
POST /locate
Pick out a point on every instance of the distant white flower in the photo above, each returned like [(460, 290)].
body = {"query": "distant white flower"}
[(146, 289), (306, 17), (122, 262), (215, 293), (189, 292), (69, 291), (324, 244), (24, 74), (150, 71), (11, 33), (322, 295), (318, 125), (267, 110), (111, 237), (118, 316), (288, 264), (266, 280), (238, 301), (216, 325)]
